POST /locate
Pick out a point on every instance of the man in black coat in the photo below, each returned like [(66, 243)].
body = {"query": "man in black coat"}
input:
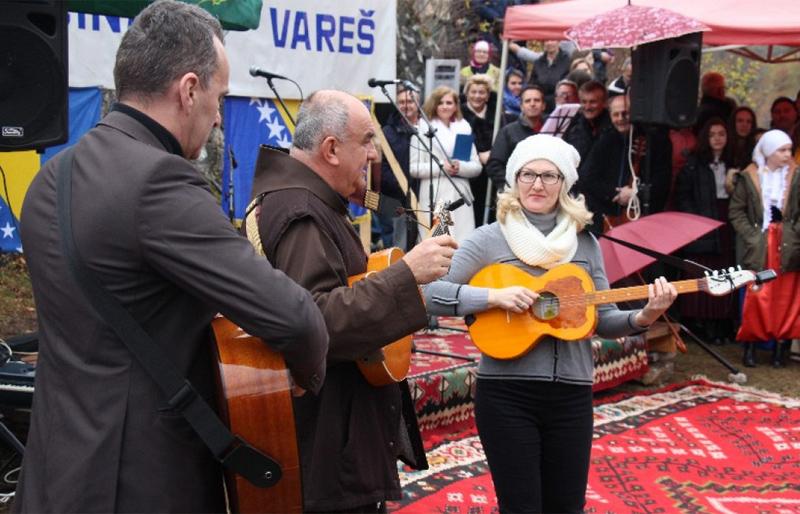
[(548, 69), (528, 124), (102, 435), (607, 177), (590, 122)]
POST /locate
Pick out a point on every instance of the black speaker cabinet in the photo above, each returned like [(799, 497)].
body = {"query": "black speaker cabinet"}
[(33, 74), (666, 76)]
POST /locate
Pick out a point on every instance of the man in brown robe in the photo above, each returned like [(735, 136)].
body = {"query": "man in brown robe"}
[(350, 434)]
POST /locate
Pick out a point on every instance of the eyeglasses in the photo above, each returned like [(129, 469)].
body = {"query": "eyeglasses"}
[(548, 178)]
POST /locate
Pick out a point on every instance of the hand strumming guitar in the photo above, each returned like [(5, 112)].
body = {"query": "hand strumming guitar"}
[(430, 259), (515, 298), (660, 296)]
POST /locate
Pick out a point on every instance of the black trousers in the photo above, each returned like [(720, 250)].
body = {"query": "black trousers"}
[(537, 437)]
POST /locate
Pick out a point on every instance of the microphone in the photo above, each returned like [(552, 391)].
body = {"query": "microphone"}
[(407, 84), (255, 71)]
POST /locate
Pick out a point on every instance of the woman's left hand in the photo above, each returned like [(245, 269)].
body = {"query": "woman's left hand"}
[(660, 296)]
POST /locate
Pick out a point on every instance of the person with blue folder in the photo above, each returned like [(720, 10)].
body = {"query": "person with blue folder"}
[(453, 145)]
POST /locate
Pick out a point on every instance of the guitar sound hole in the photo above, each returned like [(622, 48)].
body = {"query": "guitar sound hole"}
[(546, 307)]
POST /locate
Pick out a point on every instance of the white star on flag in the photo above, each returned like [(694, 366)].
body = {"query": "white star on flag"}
[(266, 112), (275, 129), (8, 230)]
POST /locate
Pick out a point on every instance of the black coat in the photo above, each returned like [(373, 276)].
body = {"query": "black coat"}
[(547, 75), (506, 141), (398, 134), (582, 134), (696, 193), (102, 438)]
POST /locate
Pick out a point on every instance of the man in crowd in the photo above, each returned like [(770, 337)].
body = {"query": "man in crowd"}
[(548, 69), (103, 437), (352, 433), (566, 92), (620, 85), (607, 177), (713, 102), (783, 114), (592, 120), (398, 130), (528, 124)]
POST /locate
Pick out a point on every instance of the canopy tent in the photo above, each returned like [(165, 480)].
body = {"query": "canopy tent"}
[(733, 22), (232, 14)]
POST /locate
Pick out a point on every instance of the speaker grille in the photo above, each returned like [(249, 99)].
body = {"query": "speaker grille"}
[(680, 103)]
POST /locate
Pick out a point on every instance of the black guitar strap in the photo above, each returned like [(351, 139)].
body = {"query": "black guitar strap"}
[(230, 450), (686, 265)]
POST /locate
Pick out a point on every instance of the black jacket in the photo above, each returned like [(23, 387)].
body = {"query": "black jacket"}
[(582, 134), (506, 141), (696, 193), (546, 75), (398, 134)]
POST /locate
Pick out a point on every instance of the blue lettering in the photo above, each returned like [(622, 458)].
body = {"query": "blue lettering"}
[(346, 36), (366, 37), (113, 22), (280, 41), (325, 33), (301, 30)]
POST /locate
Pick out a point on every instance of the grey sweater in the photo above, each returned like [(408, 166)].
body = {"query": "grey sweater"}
[(552, 359)]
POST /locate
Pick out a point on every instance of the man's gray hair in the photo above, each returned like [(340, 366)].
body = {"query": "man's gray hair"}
[(166, 40), (321, 115)]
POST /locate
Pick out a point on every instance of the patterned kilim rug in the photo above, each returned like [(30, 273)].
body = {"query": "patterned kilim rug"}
[(695, 447)]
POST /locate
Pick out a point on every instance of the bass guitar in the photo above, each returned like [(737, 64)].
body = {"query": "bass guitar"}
[(392, 362), (567, 304), (255, 400)]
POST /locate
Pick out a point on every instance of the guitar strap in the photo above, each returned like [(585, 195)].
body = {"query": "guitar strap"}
[(230, 450), (684, 264)]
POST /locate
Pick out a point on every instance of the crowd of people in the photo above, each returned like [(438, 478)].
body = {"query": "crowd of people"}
[(149, 233), (625, 169)]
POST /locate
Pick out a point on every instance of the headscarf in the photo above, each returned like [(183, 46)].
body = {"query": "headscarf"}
[(477, 67), (511, 102), (768, 144)]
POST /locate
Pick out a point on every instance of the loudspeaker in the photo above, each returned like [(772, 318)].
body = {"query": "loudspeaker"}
[(33, 74), (666, 76)]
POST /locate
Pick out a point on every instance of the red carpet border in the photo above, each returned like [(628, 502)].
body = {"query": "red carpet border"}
[(696, 447)]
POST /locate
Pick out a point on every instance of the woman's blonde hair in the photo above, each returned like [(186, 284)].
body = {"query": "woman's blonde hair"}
[(430, 105), (481, 79), (508, 203)]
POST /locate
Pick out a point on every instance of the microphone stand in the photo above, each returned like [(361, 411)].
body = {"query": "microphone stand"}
[(280, 100), (231, 203)]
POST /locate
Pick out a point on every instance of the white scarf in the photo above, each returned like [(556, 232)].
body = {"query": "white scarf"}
[(534, 248)]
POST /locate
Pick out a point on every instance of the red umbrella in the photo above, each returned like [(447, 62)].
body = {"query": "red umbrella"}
[(630, 26), (663, 232)]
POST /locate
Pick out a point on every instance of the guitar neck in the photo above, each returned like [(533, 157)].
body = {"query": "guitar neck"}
[(440, 230), (640, 292)]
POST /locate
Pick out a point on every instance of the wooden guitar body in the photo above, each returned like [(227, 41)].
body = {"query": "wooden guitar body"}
[(255, 400), (396, 357), (561, 310)]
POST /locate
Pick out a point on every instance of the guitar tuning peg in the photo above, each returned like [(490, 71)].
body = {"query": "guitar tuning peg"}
[(731, 269), (715, 274), (706, 273), (739, 267)]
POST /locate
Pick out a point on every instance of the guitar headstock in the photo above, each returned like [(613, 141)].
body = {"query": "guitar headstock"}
[(722, 282), (443, 218)]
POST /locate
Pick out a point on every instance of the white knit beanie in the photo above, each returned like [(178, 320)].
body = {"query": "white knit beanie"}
[(543, 146), (770, 141)]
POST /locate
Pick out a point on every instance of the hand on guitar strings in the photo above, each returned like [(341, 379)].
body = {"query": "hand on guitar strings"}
[(516, 299), (660, 295), (430, 259)]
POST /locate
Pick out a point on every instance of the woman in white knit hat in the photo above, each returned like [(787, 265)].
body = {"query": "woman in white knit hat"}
[(764, 212), (534, 413)]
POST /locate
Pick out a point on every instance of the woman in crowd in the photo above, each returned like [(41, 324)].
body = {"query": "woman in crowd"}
[(741, 137), (478, 110), (764, 209), (441, 108), (479, 63), (534, 413), (511, 91), (700, 189)]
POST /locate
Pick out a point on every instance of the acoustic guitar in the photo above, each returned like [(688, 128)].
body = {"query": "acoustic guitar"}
[(392, 362), (255, 400), (567, 304)]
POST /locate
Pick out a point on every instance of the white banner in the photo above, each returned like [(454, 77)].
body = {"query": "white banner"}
[(317, 44)]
